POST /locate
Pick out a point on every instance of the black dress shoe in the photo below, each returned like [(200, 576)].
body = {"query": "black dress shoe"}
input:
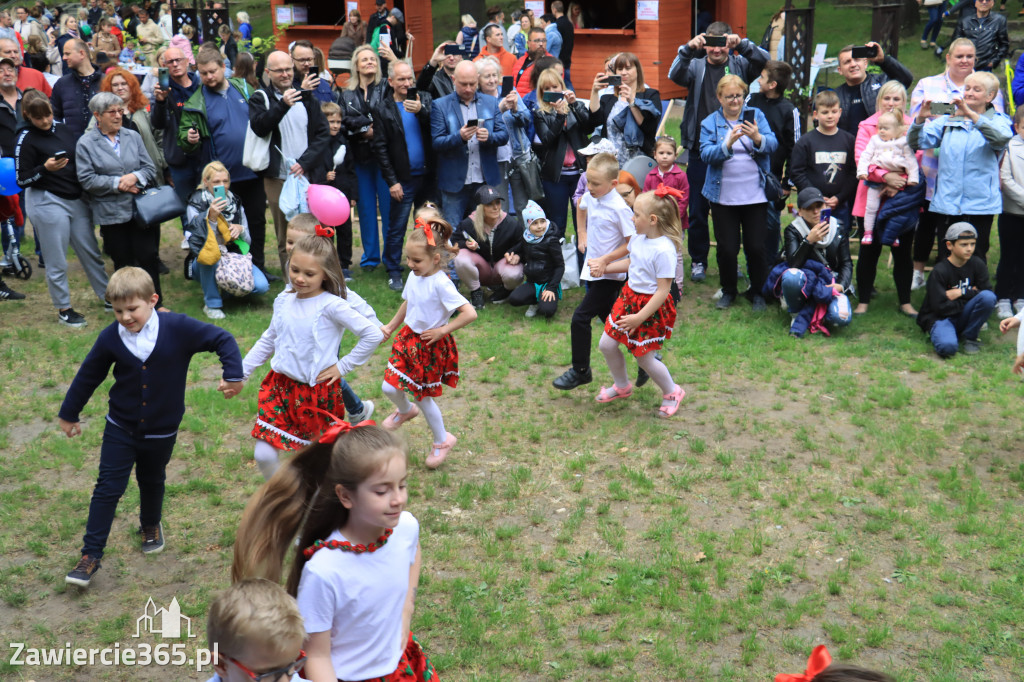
[(162, 267), (270, 277), (572, 378)]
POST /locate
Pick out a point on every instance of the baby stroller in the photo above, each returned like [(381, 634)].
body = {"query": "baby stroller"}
[(13, 263)]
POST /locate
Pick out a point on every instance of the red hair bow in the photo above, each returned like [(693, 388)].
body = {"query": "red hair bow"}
[(818, 661), (322, 231), (338, 427), (664, 191), (420, 224)]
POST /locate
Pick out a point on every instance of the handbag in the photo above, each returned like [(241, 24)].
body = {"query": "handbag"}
[(155, 205), (571, 274), (234, 273), (527, 167), (773, 191), (256, 152)]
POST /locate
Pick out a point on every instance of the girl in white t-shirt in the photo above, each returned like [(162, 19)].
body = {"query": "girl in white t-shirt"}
[(643, 316), (358, 566), (424, 355), (301, 395)]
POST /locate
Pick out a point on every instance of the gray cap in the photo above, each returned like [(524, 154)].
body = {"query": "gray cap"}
[(960, 230), (809, 196)]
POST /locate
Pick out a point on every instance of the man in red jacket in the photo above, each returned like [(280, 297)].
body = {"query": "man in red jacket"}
[(536, 47)]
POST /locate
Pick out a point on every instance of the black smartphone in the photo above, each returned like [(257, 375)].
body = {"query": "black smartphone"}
[(472, 123), (864, 52), (613, 80), (452, 49), (507, 83), (59, 156), (553, 96), (412, 93), (943, 109), (164, 77), (826, 215), (716, 41), (749, 116)]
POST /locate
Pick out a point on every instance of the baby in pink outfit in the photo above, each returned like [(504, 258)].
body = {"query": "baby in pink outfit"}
[(886, 149)]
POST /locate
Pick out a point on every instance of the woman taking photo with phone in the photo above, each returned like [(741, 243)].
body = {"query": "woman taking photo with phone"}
[(561, 123), (517, 120), (630, 114)]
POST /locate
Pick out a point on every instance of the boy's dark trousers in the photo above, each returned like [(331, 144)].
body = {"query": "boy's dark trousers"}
[(118, 454), (597, 302)]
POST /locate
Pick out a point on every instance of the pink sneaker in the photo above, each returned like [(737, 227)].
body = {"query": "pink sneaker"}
[(675, 397), (439, 451), (610, 393), (396, 418)]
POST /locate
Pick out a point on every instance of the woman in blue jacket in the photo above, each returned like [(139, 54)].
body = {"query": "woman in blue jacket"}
[(737, 151)]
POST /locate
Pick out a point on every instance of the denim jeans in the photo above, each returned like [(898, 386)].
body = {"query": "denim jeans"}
[(698, 239), (556, 200), (120, 452), (352, 402), (772, 234), (454, 204), (934, 24), (394, 237), (793, 281), (211, 292), (946, 333), (372, 191)]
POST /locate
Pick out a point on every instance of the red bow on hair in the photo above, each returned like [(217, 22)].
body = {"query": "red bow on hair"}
[(338, 427), (427, 230), (322, 231), (664, 191), (818, 661)]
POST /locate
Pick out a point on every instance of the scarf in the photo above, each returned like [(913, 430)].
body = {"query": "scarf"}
[(833, 229), (530, 238), (231, 212)]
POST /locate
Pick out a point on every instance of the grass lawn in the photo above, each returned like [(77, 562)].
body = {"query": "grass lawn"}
[(855, 491)]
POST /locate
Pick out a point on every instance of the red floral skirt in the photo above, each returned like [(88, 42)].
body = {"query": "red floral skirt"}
[(413, 666), (652, 334), (421, 369), (284, 418)]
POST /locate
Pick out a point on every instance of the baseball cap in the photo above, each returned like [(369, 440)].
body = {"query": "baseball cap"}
[(533, 212), (8, 60), (381, 2), (960, 230), (487, 195), (809, 196)]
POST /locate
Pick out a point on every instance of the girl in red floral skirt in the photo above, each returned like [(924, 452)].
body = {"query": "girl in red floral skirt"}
[(301, 395), (643, 316), (358, 566), (424, 355)]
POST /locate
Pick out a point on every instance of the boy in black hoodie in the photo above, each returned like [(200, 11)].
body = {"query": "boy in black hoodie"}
[(959, 298)]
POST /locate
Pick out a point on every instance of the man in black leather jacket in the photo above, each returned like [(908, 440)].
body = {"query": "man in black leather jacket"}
[(858, 94), (988, 31)]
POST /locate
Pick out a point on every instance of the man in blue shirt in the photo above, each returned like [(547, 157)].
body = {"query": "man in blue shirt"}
[(547, 22)]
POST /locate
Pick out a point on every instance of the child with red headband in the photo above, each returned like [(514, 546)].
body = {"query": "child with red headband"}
[(424, 355), (301, 395), (643, 316), (821, 669)]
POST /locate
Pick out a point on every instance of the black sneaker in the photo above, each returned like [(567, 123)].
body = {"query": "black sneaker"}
[(476, 297), (152, 539), (70, 318), (395, 282), (725, 302), (572, 378), (347, 274), (271, 277), (9, 294), (162, 268), (500, 295), (83, 572), (758, 304), (108, 307)]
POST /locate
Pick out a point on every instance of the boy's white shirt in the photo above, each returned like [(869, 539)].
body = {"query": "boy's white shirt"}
[(141, 343)]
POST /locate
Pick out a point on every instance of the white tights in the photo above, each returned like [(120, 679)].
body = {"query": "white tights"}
[(427, 406), (266, 458), (657, 370)]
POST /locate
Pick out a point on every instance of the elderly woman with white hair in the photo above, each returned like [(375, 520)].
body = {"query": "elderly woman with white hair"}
[(114, 166)]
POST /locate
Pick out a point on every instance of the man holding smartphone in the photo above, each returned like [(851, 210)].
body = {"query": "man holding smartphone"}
[(306, 76), (436, 76), (698, 67), (858, 93)]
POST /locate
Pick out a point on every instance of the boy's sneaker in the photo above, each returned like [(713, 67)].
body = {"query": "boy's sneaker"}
[(9, 294), (367, 412), (1003, 308), (82, 573), (971, 347), (698, 272), (918, 281), (531, 311), (108, 307), (500, 295), (476, 297), (70, 318), (571, 379), (152, 539), (1018, 305), (214, 313), (347, 274)]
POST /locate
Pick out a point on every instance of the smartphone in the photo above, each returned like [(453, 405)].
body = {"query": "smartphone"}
[(749, 116), (60, 155), (164, 77), (826, 215), (943, 109), (717, 41), (219, 192), (864, 52), (472, 123), (385, 39), (412, 93), (553, 96), (613, 80), (452, 49), (507, 83)]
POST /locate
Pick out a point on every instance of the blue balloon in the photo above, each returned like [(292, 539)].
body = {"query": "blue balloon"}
[(8, 178)]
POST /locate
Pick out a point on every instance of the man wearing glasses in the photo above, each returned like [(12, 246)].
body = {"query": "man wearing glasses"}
[(306, 76), (987, 30), (536, 47), (166, 115)]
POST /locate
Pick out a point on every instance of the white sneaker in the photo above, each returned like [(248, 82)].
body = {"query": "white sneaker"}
[(214, 313), (364, 415), (1018, 305), (531, 311), (717, 295), (1003, 308), (918, 281), (184, 244)]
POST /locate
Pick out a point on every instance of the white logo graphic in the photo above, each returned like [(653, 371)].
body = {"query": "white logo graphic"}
[(164, 622)]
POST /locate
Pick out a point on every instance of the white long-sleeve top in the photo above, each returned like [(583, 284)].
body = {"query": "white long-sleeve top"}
[(304, 336)]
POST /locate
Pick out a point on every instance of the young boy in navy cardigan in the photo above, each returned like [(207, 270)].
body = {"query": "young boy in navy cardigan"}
[(150, 353)]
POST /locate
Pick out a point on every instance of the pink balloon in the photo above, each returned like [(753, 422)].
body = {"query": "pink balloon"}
[(328, 205)]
